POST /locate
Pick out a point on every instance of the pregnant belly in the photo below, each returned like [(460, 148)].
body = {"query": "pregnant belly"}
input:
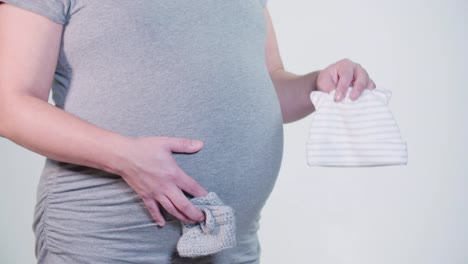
[(239, 121)]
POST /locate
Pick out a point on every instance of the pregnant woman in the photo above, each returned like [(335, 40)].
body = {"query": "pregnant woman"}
[(156, 102)]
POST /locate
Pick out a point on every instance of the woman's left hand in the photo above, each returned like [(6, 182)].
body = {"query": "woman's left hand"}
[(342, 75)]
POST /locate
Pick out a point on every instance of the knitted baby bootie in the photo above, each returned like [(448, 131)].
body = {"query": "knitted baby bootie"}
[(216, 233)]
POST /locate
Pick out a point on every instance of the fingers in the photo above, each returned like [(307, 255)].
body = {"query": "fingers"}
[(351, 74), (343, 84), (153, 208), (189, 185), (175, 201), (371, 84), (162, 182), (346, 76), (185, 145), (327, 82), (168, 204), (182, 204), (361, 80)]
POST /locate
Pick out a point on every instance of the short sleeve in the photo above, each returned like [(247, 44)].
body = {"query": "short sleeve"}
[(55, 10), (263, 2)]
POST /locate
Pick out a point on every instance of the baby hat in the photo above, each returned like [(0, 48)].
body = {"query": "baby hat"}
[(354, 133), (216, 233)]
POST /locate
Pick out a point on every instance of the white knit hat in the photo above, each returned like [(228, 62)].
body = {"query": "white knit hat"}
[(354, 133)]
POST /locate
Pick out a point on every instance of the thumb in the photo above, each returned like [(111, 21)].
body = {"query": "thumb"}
[(344, 82), (327, 80), (185, 145)]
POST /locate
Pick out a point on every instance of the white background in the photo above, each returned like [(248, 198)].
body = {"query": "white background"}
[(414, 214)]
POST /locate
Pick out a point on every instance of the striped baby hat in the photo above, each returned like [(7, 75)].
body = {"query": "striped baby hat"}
[(354, 133)]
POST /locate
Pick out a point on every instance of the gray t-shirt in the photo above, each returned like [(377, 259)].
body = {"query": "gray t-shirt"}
[(179, 68)]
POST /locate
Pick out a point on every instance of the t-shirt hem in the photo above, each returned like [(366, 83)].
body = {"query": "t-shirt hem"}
[(37, 9)]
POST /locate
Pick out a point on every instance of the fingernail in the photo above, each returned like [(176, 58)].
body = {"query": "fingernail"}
[(160, 224), (196, 143), (338, 96), (202, 218)]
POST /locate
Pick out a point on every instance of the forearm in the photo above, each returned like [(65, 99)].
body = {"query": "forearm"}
[(294, 93), (40, 127)]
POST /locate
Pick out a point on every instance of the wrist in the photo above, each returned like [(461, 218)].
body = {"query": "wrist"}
[(311, 80), (119, 157)]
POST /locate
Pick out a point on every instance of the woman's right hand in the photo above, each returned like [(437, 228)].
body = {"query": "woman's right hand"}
[(154, 174)]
